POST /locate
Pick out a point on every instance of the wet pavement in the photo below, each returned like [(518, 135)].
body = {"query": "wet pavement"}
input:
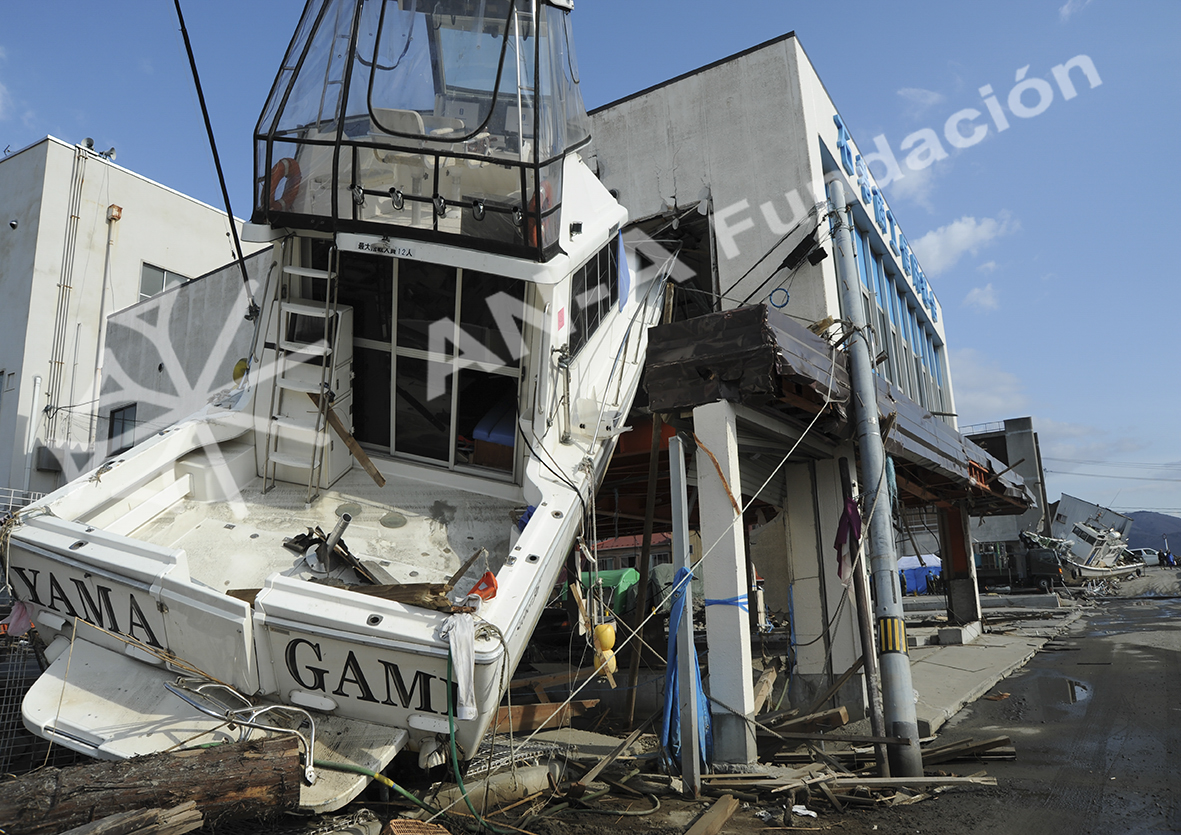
[(1096, 721)]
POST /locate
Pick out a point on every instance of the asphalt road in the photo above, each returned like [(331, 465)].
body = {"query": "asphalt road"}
[(1096, 721)]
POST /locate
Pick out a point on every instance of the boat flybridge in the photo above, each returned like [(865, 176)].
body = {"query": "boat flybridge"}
[(446, 346)]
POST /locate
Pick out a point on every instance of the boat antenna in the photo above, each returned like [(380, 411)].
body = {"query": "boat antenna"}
[(252, 311)]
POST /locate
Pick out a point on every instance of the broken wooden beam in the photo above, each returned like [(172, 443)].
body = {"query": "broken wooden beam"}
[(712, 821), (175, 821), (908, 782), (578, 789), (963, 748), (534, 717), (841, 681), (226, 782), (349, 441), (763, 689), (835, 718)]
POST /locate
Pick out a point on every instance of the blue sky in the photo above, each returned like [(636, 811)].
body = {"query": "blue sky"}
[(1047, 243)]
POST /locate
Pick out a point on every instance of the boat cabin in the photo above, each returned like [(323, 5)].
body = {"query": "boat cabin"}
[(445, 121)]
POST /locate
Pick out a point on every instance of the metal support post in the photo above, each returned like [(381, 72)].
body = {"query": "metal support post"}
[(897, 688), (690, 759)]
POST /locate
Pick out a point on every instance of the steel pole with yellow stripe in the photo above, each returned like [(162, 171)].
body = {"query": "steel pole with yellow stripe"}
[(897, 687)]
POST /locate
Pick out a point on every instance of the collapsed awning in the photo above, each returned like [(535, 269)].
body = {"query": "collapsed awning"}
[(765, 360)]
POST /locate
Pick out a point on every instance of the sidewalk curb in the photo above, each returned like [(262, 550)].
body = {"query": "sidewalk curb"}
[(931, 717)]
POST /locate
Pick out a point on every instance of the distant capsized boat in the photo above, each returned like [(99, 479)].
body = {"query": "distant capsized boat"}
[(1106, 557)]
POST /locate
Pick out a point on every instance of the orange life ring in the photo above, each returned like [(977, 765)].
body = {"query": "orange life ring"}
[(287, 170), (531, 214)]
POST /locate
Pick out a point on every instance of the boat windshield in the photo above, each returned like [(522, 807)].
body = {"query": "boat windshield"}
[(448, 118)]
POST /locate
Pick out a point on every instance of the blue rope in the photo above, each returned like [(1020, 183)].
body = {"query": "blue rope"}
[(740, 601)]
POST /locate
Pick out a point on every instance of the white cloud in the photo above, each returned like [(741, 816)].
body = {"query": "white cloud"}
[(5, 102), (1067, 9), (915, 186), (940, 249), (1077, 441), (921, 97), (983, 390), (988, 267), (983, 298)]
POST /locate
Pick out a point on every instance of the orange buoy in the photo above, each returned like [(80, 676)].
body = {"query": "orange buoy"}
[(286, 174)]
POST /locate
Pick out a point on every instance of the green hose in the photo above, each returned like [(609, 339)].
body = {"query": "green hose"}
[(455, 758), (381, 778)]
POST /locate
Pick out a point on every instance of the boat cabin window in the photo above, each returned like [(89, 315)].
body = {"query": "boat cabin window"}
[(594, 288), (436, 360)]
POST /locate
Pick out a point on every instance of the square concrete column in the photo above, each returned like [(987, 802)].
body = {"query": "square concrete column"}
[(959, 567), (723, 573)]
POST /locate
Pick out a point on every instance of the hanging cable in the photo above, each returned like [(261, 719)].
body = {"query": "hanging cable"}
[(253, 309)]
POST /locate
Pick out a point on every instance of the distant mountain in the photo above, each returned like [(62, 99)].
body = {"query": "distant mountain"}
[(1148, 528)]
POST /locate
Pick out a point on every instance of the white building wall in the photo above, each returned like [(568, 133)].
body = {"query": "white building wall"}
[(21, 176), (159, 226), (755, 134), (170, 354)]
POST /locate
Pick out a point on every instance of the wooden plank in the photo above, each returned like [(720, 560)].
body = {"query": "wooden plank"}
[(820, 736), (533, 717), (831, 762), (835, 718), (349, 441), (909, 782), (832, 798), (175, 821), (711, 822), (578, 789), (841, 681), (551, 679), (763, 688), (964, 748)]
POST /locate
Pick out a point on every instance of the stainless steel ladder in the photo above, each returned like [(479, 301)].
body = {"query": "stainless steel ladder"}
[(289, 391)]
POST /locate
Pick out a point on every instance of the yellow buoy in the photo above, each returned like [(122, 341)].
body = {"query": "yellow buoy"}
[(605, 636), (605, 662)]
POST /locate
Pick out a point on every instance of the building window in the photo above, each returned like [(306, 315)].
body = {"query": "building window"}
[(154, 280), (121, 432)]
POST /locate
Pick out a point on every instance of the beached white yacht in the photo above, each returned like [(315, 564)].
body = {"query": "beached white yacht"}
[(451, 301)]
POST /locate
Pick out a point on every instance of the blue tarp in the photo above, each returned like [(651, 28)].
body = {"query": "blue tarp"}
[(671, 731), (916, 573)]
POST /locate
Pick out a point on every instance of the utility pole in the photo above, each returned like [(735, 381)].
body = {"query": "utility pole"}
[(897, 688), (873, 678)]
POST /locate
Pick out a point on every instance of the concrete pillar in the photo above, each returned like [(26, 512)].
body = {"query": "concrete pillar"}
[(959, 567), (840, 618), (723, 573), (809, 607), (811, 512)]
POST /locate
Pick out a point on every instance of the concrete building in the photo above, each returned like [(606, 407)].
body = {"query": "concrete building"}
[(728, 167), (1014, 443), (1070, 511), (82, 237)]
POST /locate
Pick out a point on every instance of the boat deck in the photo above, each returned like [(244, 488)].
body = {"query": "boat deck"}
[(406, 532)]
